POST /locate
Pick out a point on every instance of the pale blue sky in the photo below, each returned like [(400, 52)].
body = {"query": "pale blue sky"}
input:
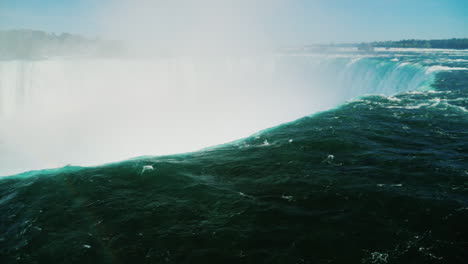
[(296, 22)]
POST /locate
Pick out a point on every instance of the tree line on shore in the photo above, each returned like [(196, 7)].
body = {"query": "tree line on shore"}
[(454, 43)]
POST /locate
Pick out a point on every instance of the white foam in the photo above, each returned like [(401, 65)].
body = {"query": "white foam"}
[(289, 198), (409, 106), (403, 64), (379, 258), (438, 68), (460, 108), (147, 168)]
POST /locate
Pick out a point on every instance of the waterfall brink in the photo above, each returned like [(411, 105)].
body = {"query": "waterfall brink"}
[(91, 111)]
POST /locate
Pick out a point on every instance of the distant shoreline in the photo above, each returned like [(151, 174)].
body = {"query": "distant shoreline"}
[(454, 43), (35, 44)]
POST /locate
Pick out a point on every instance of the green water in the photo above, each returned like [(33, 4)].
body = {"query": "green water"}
[(379, 179)]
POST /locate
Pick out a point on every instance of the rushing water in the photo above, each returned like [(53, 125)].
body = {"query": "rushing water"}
[(92, 111), (381, 177)]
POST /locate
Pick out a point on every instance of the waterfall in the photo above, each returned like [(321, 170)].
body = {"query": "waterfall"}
[(90, 111)]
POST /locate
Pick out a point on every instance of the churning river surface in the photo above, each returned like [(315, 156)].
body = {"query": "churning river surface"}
[(378, 175)]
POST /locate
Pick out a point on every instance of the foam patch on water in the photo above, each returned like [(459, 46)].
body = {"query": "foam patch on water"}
[(438, 68), (403, 64)]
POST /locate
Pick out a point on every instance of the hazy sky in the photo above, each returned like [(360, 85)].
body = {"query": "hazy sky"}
[(283, 21)]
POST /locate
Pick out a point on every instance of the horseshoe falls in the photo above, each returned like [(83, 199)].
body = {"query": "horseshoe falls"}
[(88, 112), (343, 157)]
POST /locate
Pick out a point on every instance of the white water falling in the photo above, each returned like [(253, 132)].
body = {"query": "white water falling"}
[(92, 111)]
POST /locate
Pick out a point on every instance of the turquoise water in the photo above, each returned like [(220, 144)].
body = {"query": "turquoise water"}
[(382, 178)]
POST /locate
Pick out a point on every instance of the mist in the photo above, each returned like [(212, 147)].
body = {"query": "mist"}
[(190, 27), (194, 74)]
